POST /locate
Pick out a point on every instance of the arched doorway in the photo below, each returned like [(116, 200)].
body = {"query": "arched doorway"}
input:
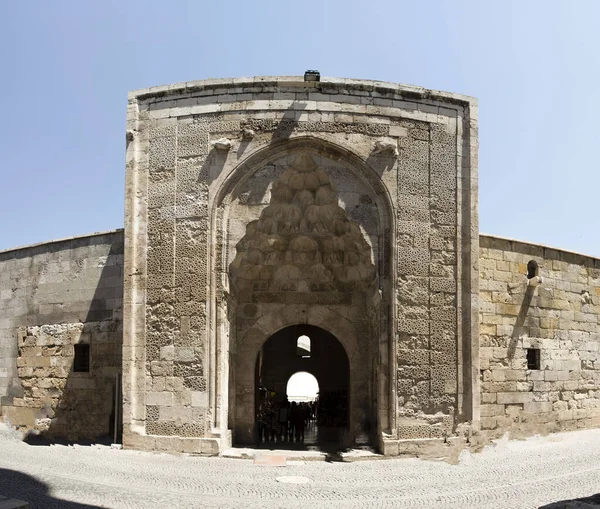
[(315, 352), (302, 248)]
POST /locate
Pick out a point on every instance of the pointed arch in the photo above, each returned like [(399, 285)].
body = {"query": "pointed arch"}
[(227, 341)]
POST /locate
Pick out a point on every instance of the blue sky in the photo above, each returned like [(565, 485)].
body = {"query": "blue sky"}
[(533, 65)]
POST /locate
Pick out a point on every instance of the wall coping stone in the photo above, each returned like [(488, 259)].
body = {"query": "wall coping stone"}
[(508, 244), (345, 85), (64, 239)]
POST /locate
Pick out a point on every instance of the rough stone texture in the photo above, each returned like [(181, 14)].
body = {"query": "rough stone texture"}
[(303, 240), (427, 287), (51, 296), (68, 404), (207, 159), (560, 316)]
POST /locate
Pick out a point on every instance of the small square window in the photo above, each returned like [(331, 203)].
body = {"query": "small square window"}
[(533, 358), (81, 363)]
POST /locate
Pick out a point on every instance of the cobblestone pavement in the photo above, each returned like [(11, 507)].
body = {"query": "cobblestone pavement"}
[(512, 474)]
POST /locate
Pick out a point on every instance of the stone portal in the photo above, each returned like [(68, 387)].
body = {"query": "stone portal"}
[(258, 204), (304, 252)]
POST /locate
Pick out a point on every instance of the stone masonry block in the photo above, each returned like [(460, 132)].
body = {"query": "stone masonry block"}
[(414, 261), (413, 326), (199, 399), (194, 145), (418, 357), (159, 398), (508, 398), (162, 153)]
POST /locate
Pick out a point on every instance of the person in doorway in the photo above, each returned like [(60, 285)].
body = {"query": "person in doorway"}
[(273, 422), (292, 420), (262, 416), (284, 414), (299, 422)]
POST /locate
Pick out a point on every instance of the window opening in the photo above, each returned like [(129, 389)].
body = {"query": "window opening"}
[(532, 269), (81, 363), (303, 347), (533, 358)]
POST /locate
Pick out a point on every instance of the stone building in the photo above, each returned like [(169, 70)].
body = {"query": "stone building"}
[(259, 210)]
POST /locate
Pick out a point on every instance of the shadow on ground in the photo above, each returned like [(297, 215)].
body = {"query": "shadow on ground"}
[(35, 439), (332, 451), (14, 484), (324, 439), (592, 502)]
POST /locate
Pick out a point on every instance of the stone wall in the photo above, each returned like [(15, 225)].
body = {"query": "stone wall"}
[(559, 315), (53, 296)]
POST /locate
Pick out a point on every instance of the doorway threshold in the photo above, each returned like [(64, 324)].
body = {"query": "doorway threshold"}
[(281, 457)]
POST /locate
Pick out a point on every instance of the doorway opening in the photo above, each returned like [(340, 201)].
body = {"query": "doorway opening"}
[(302, 381), (302, 387)]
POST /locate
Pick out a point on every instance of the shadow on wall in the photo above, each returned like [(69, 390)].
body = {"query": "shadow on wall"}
[(518, 329), (280, 130), (577, 503), (69, 359), (24, 487), (381, 161)]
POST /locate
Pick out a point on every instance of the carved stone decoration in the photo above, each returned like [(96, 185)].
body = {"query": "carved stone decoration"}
[(247, 133), (222, 144), (386, 146), (303, 239)]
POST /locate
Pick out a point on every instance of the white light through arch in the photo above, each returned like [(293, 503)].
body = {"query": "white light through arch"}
[(303, 347), (302, 386)]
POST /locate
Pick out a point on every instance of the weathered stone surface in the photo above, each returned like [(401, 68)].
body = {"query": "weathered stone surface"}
[(303, 240), (559, 318), (284, 205), (52, 297)]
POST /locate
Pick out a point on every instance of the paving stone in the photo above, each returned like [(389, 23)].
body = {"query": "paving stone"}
[(523, 474)]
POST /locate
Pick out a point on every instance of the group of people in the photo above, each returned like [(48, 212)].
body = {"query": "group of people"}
[(284, 421)]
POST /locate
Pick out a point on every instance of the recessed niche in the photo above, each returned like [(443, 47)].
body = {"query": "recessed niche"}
[(533, 358), (81, 363), (533, 269), (533, 273)]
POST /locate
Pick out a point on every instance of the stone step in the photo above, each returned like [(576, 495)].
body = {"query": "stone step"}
[(281, 456)]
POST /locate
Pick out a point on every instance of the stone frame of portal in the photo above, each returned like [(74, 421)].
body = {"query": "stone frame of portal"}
[(331, 322), (225, 338)]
